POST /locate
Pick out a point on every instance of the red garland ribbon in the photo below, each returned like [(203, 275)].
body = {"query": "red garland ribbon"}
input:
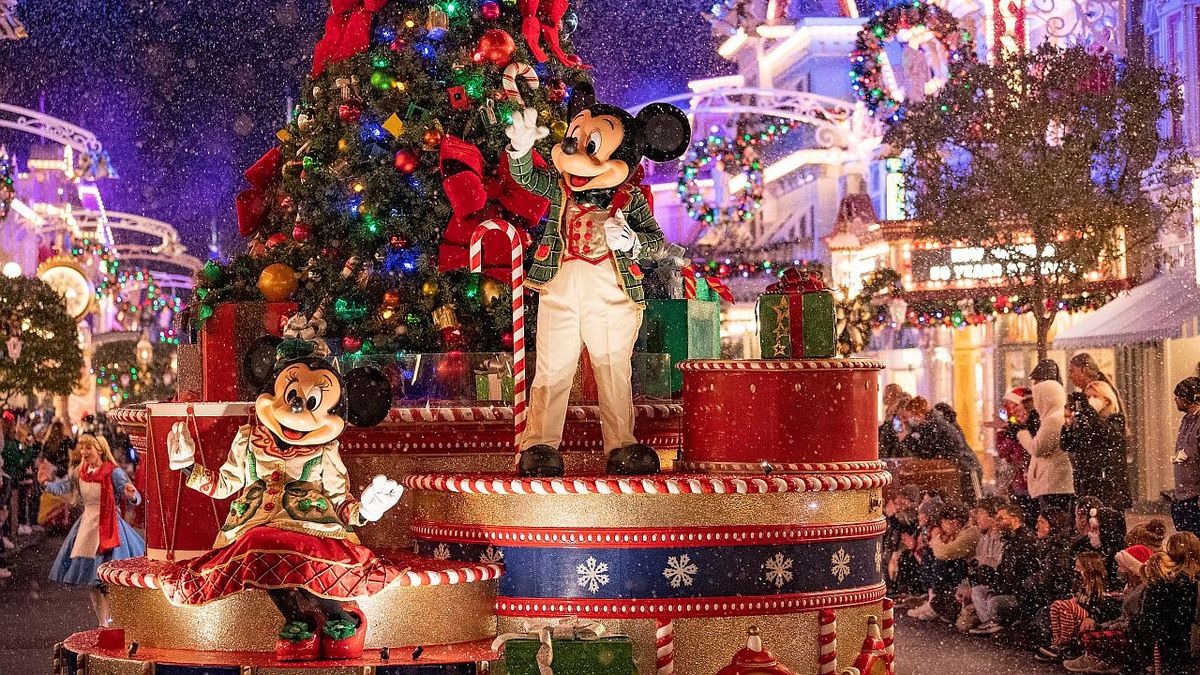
[(793, 281), (347, 32), (475, 198), (251, 204)]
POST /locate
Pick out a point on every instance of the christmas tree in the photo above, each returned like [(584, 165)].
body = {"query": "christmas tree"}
[(364, 211)]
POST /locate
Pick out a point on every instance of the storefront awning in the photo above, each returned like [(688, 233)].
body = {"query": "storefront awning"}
[(1154, 311)]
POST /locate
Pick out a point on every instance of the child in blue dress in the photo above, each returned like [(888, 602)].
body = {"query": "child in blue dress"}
[(100, 534)]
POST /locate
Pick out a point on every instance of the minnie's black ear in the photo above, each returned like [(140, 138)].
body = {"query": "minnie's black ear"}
[(665, 130), (258, 365), (367, 396), (583, 96)]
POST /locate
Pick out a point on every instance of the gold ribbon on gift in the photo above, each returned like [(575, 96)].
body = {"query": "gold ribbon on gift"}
[(546, 631)]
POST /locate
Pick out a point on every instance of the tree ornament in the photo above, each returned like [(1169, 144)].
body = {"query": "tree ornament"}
[(351, 343), (382, 80), (490, 10), (285, 201), (491, 290), (496, 47), (405, 161), (432, 137), (446, 321), (350, 309), (301, 232), (556, 91), (459, 100), (276, 239), (429, 288), (398, 241), (570, 22), (558, 130), (277, 282), (211, 272), (436, 23), (391, 298), (14, 345), (515, 73), (349, 111), (506, 339)]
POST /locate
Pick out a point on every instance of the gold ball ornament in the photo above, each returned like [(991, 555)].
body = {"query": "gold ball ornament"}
[(277, 282), (558, 130), (432, 138), (429, 288), (491, 290)]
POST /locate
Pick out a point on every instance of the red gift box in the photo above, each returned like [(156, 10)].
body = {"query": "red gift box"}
[(224, 340)]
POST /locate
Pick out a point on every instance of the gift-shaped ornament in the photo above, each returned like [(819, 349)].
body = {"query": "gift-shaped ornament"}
[(567, 647), (494, 380), (796, 319)]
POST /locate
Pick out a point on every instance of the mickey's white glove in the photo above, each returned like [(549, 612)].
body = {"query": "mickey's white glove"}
[(181, 449), (381, 495), (620, 236), (524, 132)]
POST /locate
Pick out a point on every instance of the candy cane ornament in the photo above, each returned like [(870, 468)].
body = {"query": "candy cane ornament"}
[(515, 72), (664, 635), (518, 310), (827, 639)]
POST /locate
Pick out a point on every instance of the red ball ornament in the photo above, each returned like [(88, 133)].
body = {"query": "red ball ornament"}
[(350, 111), (276, 239), (490, 10), (506, 340), (351, 343), (405, 161), (496, 47), (301, 232), (285, 202), (556, 91)]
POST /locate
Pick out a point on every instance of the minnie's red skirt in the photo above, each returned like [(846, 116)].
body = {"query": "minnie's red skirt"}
[(268, 557)]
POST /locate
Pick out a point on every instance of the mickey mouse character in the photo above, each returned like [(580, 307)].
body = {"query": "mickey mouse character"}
[(585, 267), (290, 529)]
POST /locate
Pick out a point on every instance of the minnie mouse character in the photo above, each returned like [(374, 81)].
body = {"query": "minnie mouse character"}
[(290, 529), (585, 268)]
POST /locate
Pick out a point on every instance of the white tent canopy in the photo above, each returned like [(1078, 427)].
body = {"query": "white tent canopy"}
[(1154, 311)]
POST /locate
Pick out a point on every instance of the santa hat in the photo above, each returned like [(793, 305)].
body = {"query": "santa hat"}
[(1016, 396), (1133, 558)]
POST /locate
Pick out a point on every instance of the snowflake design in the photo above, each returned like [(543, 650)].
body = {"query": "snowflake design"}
[(680, 570), (592, 574), (491, 556), (779, 570), (841, 564), (442, 552)]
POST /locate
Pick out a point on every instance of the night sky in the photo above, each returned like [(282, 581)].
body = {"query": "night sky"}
[(184, 94)]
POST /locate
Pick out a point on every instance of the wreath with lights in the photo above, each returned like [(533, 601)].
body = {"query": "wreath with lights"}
[(737, 152), (916, 23)]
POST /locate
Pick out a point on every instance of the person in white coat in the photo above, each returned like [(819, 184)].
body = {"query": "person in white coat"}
[(1049, 476)]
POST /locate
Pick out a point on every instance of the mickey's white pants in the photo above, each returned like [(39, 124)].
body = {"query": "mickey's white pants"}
[(583, 306)]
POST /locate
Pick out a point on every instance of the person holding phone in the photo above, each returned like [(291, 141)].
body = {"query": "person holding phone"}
[(1016, 413)]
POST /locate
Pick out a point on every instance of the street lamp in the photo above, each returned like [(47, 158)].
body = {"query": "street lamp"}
[(145, 353), (11, 269)]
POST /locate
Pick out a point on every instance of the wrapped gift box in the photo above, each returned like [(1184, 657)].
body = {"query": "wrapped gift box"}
[(224, 339), (494, 380), (608, 655), (796, 319), (685, 329)]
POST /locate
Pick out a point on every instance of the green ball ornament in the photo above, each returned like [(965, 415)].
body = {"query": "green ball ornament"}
[(382, 80), (206, 311)]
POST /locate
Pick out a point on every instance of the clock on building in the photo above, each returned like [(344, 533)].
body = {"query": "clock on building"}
[(66, 277)]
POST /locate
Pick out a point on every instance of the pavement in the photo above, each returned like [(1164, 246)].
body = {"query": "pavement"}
[(36, 613)]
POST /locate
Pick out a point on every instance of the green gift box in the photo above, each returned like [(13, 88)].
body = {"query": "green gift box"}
[(608, 655), (796, 319), (684, 329)]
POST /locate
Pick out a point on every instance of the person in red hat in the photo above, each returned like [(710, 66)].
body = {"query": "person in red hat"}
[(1016, 413)]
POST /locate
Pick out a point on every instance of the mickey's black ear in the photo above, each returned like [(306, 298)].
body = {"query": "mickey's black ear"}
[(258, 365), (367, 396), (666, 132), (583, 96)]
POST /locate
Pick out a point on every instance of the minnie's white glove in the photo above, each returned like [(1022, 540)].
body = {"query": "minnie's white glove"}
[(620, 236), (181, 449), (381, 495), (524, 132)]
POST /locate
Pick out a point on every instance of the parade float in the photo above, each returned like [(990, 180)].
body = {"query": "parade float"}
[(733, 524)]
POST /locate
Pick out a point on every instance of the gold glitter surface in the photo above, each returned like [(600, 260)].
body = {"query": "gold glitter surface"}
[(103, 665), (325, 670), (646, 510), (706, 645), (396, 617)]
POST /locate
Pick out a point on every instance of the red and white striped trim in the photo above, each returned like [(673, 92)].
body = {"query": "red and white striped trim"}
[(625, 538), (700, 365), (664, 642), (779, 467), (827, 641), (663, 484), (505, 413), (518, 72), (135, 416), (887, 626), (143, 573), (689, 608)]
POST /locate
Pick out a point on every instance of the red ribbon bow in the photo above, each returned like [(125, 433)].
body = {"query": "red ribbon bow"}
[(475, 198), (252, 206), (793, 281), (347, 32), (714, 283)]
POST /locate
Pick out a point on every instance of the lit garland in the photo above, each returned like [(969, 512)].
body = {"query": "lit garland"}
[(740, 151), (981, 310), (120, 378), (8, 190), (115, 282), (909, 22), (724, 268)]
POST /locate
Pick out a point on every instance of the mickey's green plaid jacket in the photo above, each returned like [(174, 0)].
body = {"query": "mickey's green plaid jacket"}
[(547, 257)]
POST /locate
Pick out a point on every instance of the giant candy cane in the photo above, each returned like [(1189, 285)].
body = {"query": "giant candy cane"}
[(827, 640), (518, 310), (664, 639)]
